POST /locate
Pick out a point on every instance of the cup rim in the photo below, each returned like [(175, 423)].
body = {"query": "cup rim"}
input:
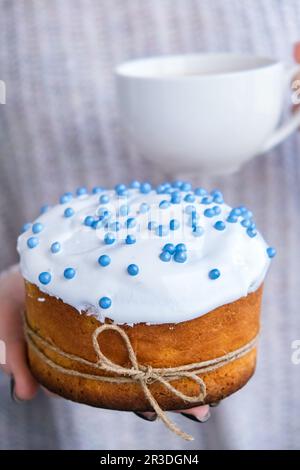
[(126, 69)]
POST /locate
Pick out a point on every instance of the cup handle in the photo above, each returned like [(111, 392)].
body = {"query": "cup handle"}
[(292, 123)]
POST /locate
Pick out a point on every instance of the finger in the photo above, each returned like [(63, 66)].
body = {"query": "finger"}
[(199, 413), (25, 384)]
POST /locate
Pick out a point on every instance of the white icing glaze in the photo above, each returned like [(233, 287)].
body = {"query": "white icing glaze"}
[(162, 292)]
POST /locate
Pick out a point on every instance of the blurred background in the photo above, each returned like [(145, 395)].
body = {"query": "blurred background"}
[(59, 129)]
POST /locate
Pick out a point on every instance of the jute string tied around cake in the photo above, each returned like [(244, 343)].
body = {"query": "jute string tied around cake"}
[(144, 375)]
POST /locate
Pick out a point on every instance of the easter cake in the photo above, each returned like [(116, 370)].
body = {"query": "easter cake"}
[(142, 298)]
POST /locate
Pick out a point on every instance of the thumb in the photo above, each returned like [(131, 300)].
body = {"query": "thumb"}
[(25, 384)]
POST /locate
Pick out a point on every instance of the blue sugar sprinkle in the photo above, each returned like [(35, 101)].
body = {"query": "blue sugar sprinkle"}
[(177, 184), (247, 214), (218, 199), (120, 187), (131, 222), (190, 209), (88, 221), (68, 212), (81, 191), (217, 210), (152, 225), (109, 239), (44, 208), (198, 231), (170, 247), (214, 274), (26, 227), (104, 199), (124, 210), (37, 227), (32, 242), (162, 230), (246, 223), (251, 232), (97, 190), (186, 187), (97, 224), (165, 256), (69, 273), (235, 212), (133, 269), (164, 204), (160, 189), (200, 192), (219, 225), (135, 184), (174, 224), (66, 197), (145, 188), (190, 198), (271, 252), (104, 260), (176, 197), (180, 247), (105, 302), (45, 278), (209, 212), (180, 256), (206, 200), (130, 239), (232, 219), (144, 207), (55, 247)]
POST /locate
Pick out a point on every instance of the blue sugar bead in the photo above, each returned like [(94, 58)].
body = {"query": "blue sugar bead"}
[(55, 247), (115, 226), (209, 212), (109, 239), (88, 221), (69, 212), (190, 209), (217, 210), (26, 227), (44, 208), (198, 231), (247, 214), (164, 204), (135, 184), (131, 222), (144, 207), (152, 225), (175, 197), (104, 260), (174, 224), (124, 210), (160, 189), (220, 225), (69, 273), (104, 199), (235, 212), (120, 188), (232, 219), (190, 198), (105, 302), (206, 200), (97, 190), (96, 224), (165, 256), (246, 223), (32, 242), (180, 247), (218, 199), (251, 232), (81, 191), (45, 278), (216, 192), (162, 230), (271, 252), (133, 269), (186, 187), (214, 274), (145, 188), (170, 247), (180, 256), (177, 184), (66, 197), (200, 192), (130, 239)]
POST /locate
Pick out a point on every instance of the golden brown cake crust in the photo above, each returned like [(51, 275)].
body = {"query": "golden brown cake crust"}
[(222, 330)]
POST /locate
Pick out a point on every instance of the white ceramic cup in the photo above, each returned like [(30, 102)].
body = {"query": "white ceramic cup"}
[(205, 112)]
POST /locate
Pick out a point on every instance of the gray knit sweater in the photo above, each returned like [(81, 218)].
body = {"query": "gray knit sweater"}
[(60, 129)]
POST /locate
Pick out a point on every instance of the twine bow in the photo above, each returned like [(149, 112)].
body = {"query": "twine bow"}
[(144, 375)]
